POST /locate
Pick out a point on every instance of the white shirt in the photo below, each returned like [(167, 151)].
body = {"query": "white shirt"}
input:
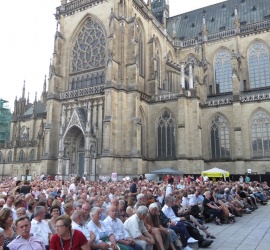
[(134, 226), (84, 229), (170, 213), (118, 228), (169, 190), (104, 228), (41, 230), (192, 200)]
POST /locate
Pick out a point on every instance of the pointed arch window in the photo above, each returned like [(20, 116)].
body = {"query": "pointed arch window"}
[(88, 56), (260, 134), (166, 135), (258, 62), (9, 159), (1, 156), (220, 138), (141, 54), (32, 155), (21, 156), (223, 72)]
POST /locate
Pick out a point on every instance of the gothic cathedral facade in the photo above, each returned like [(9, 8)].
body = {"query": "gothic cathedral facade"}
[(132, 90)]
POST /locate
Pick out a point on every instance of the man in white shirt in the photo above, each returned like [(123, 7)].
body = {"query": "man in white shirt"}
[(121, 235), (78, 224), (177, 221), (39, 227), (136, 229)]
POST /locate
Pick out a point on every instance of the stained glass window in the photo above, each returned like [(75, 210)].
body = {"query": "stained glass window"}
[(223, 72), (89, 49), (166, 135), (258, 62), (260, 134), (220, 138)]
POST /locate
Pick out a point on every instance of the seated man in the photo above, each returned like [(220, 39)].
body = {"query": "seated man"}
[(25, 240), (78, 223), (177, 222), (123, 240), (136, 229)]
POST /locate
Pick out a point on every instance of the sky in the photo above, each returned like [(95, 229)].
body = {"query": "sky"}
[(26, 44)]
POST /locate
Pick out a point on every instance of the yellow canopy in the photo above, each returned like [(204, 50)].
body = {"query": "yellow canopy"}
[(216, 172)]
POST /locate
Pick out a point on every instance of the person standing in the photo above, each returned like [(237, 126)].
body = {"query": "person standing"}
[(133, 188), (169, 188)]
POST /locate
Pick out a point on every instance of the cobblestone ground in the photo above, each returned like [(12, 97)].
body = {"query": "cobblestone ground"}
[(250, 232)]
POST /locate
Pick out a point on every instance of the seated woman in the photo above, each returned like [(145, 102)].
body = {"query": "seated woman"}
[(104, 235), (6, 222), (122, 211), (211, 208), (66, 237), (131, 206)]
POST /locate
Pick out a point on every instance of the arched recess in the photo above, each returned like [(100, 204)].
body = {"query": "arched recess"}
[(141, 47), (73, 141), (223, 71), (9, 158), (166, 134), (143, 132), (32, 155), (258, 64), (220, 137), (158, 63), (88, 54), (21, 156), (260, 133)]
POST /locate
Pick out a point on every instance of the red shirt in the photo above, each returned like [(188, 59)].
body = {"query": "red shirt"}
[(78, 240)]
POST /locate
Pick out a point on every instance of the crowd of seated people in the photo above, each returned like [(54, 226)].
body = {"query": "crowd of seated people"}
[(127, 215)]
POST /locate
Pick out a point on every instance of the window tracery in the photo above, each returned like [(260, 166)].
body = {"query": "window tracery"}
[(220, 138), (88, 56), (89, 49), (260, 134), (166, 135), (223, 72), (259, 71)]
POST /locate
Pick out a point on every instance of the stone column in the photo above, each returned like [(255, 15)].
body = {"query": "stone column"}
[(183, 75), (190, 76), (67, 167)]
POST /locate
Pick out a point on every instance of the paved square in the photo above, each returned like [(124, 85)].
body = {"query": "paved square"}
[(250, 232)]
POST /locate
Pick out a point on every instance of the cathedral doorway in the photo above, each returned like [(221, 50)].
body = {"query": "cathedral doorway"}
[(74, 152)]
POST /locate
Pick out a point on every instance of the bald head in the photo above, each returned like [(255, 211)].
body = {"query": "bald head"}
[(113, 210)]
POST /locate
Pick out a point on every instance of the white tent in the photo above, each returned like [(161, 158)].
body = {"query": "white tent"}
[(216, 172)]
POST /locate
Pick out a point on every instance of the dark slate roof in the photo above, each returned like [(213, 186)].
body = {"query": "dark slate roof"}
[(218, 17), (39, 108)]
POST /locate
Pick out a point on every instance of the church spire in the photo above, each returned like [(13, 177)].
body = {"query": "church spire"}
[(45, 84), (23, 90)]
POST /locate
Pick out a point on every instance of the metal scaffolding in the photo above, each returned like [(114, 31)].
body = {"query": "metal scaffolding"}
[(5, 118)]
